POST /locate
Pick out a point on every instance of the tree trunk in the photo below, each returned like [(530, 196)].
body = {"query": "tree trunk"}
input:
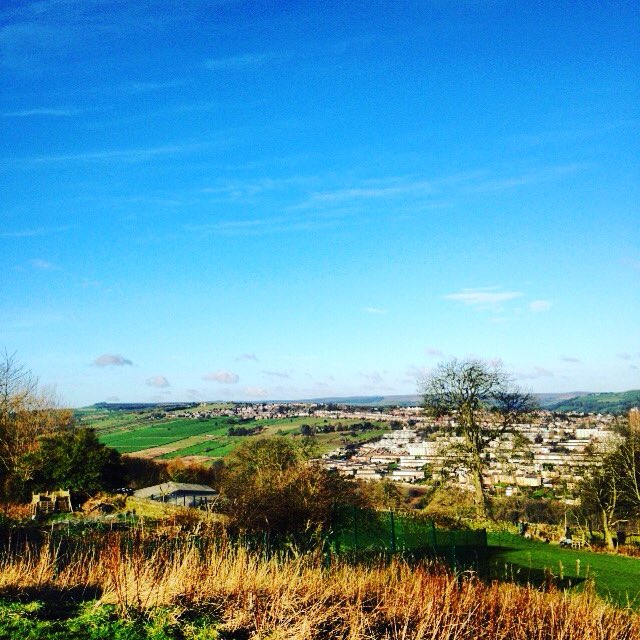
[(480, 498), (608, 536)]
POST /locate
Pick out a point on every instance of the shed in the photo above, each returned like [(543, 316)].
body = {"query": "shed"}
[(179, 493), (51, 502)]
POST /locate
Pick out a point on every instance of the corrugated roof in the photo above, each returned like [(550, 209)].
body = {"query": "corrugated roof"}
[(167, 488)]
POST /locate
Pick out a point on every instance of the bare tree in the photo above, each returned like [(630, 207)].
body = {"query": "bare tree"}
[(602, 491), (27, 411), (485, 405), (630, 461)]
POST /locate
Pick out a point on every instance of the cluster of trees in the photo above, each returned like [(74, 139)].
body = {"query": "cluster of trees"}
[(486, 406), (308, 430), (39, 447), (610, 491), (245, 431), (268, 485)]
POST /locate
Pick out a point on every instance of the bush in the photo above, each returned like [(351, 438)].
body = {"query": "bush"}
[(270, 486)]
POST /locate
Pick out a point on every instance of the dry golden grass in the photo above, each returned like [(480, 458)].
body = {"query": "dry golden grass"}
[(299, 598)]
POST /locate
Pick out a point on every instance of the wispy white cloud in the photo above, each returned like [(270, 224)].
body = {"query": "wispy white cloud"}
[(247, 356), (33, 233), (42, 111), (484, 298), (222, 377), (148, 87), (256, 392), (540, 306), (235, 190), (375, 310), (570, 359), (535, 176), (158, 381), (432, 352), (43, 265), (535, 373), (275, 374), (111, 360), (373, 192), (246, 60), (426, 190), (141, 154), (376, 382), (262, 226), (415, 374), (564, 136)]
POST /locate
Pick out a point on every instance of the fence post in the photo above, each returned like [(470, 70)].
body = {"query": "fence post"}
[(393, 532), (355, 528), (453, 549)]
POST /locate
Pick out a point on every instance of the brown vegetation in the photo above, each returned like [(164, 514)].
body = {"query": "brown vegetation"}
[(299, 597)]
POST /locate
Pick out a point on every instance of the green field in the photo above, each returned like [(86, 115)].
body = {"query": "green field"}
[(616, 577), (133, 431), (163, 433)]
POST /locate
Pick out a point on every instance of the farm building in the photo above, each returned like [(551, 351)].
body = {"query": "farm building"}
[(179, 493), (51, 502)]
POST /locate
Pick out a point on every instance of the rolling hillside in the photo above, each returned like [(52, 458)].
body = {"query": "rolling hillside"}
[(599, 402)]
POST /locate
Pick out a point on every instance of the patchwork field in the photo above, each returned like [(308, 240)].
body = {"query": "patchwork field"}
[(150, 434)]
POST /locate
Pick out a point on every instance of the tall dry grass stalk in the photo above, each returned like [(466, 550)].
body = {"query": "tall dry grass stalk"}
[(299, 598)]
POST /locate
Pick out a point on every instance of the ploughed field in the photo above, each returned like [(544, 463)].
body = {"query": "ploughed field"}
[(147, 434)]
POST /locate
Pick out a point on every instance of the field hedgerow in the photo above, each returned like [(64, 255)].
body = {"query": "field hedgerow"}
[(248, 595)]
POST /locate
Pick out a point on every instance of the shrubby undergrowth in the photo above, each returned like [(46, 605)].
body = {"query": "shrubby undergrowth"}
[(191, 590)]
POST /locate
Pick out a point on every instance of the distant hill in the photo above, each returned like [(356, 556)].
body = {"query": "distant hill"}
[(599, 402), (370, 401), (143, 406), (579, 401), (545, 400)]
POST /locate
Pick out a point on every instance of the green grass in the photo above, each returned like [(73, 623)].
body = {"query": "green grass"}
[(130, 432), (616, 577), (212, 448), (89, 621), (162, 433)]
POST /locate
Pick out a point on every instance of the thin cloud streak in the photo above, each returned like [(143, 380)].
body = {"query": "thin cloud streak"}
[(43, 265), (540, 306), (421, 188), (245, 61), (33, 233), (126, 155), (275, 374), (54, 113), (482, 298)]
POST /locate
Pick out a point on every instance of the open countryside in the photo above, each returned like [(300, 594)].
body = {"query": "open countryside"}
[(150, 434), (319, 320)]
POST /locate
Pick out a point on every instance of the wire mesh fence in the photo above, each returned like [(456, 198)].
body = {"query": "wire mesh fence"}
[(364, 532)]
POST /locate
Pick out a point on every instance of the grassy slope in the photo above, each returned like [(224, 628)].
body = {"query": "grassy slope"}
[(600, 402), (616, 577), (162, 433), (129, 432)]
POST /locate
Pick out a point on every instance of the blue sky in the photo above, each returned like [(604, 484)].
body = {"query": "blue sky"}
[(246, 200)]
